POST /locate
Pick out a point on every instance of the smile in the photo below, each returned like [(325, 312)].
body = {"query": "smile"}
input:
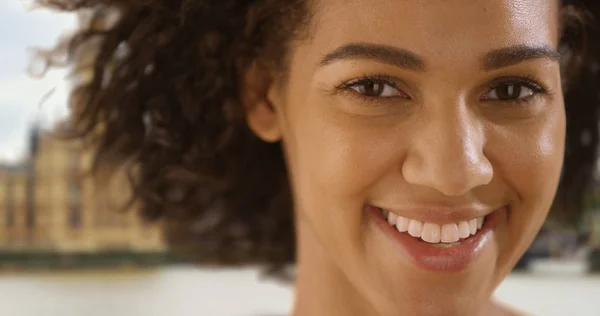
[(452, 244), (444, 235)]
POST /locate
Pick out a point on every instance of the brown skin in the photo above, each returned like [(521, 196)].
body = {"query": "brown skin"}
[(440, 143)]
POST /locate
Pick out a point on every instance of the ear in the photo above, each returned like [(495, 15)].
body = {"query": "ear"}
[(257, 96)]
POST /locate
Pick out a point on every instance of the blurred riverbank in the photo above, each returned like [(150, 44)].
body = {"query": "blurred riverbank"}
[(551, 288)]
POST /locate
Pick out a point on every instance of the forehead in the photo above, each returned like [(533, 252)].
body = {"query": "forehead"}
[(439, 30)]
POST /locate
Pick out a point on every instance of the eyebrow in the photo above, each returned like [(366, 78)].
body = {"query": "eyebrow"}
[(402, 58), (513, 55), (398, 57)]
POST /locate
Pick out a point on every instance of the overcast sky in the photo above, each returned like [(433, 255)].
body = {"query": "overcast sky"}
[(20, 96)]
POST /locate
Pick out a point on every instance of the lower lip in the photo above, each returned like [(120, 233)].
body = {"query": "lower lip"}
[(432, 258)]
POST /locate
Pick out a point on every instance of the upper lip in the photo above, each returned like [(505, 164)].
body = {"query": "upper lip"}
[(442, 214)]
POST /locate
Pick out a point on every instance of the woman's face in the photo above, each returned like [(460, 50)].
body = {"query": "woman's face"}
[(438, 112)]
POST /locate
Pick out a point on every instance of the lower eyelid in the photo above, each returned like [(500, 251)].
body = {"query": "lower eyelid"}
[(517, 102)]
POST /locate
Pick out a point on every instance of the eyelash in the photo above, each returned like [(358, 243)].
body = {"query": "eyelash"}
[(527, 81), (367, 79)]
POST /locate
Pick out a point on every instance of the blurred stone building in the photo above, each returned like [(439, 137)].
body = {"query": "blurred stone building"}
[(49, 203), (14, 206)]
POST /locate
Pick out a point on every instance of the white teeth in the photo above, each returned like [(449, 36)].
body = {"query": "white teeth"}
[(431, 233), (463, 229), (415, 228), (473, 226), (449, 233), (402, 224), (446, 235), (392, 218)]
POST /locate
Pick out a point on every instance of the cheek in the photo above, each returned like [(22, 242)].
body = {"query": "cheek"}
[(531, 160), (346, 157), (528, 160), (335, 160)]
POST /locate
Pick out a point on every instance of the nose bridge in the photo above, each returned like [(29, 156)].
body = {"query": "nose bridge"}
[(447, 152), (457, 141)]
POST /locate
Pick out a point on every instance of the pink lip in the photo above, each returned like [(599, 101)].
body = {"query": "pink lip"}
[(426, 256)]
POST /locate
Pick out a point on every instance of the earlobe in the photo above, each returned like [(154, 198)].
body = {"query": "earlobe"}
[(262, 120), (261, 113)]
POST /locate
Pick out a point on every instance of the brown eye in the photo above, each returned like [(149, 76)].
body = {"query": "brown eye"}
[(509, 92), (375, 89), (371, 89)]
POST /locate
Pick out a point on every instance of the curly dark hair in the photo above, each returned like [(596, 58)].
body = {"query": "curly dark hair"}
[(164, 98)]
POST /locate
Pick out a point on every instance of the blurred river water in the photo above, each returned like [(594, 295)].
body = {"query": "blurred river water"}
[(553, 289)]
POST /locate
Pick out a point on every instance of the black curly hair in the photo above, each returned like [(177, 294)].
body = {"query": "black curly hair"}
[(164, 98)]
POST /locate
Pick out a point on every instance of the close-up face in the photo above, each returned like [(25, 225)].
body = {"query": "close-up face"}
[(424, 141), (308, 157)]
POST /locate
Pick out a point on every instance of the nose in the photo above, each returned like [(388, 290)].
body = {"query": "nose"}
[(446, 153)]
